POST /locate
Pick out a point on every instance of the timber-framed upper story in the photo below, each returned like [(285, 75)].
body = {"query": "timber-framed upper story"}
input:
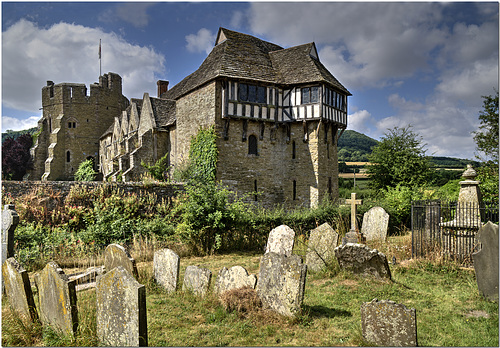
[(265, 82)]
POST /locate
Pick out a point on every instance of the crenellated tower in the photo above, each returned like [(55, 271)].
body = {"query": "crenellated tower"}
[(72, 122)]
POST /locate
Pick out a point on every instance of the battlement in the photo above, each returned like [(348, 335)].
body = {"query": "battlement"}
[(109, 85)]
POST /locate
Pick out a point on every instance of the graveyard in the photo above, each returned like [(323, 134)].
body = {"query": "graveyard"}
[(440, 298)]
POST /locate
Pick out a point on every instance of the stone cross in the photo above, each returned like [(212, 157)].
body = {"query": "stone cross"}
[(10, 220), (353, 202)]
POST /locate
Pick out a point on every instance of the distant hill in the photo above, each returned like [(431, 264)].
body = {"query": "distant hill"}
[(355, 147), (15, 134)]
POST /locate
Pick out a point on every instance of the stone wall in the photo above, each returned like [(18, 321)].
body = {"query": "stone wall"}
[(18, 188), (286, 170), (195, 110)]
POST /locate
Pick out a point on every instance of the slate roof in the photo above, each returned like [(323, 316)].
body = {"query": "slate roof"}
[(243, 56), (163, 111)]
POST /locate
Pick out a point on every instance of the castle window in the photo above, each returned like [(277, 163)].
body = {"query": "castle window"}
[(252, 93), (293, 150), (330, 186), (310, 95), (68, 156), (294, 190), (252, 145)]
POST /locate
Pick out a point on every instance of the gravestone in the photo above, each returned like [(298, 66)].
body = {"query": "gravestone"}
[(375, 223), (387, 323), (121, 309), (234, 278), (486, 261), (353, 235), (166, 269), (115, 255), (360, 259), (320, 248), (10, 220), (281, 283), (57, 299), (281, 240), (197, 280), (18, 290)]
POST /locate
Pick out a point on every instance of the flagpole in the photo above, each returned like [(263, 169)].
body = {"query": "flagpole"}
[(100, 64)]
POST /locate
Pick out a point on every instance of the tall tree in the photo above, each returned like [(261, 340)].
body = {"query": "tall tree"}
[(16, 157), (486, 137), (399, 158)]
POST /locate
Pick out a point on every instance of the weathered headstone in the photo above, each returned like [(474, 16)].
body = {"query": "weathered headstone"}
[(18, 289), (115, 255), (386, 323), (281, 240), (281, 283), (121, 309), (57, 299), (166, 269), (320, 248), (197, 280), (234, 278), (360, 259), (375, 224), (486, 261), (10, 220)]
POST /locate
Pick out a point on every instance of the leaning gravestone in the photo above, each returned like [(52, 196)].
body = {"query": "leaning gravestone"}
[(197, 280), (486, 261), (57, 299), (387, 323), (115, 255), (375, 223), (121, 309), (234, 278), (18, 290), (320, 248), (10, 220), (358, 258), (281, 283), (166, 269), (281, 240)]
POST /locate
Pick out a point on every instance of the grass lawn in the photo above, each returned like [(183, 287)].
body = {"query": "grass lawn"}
[(450, 311)]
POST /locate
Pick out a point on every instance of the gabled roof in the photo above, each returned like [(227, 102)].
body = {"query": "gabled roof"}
[(163, 111), (243, 56)]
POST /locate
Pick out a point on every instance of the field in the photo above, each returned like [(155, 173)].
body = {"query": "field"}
[(450, 311)]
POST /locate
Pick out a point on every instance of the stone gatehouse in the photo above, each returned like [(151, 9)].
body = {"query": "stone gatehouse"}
[(278, 114)]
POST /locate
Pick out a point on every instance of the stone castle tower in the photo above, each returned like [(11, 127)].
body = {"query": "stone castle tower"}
[(72, 123)]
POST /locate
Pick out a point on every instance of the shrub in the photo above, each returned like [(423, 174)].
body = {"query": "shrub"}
[(158, 170), (86, 171)]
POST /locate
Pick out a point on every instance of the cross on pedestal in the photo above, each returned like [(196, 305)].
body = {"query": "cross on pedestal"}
[(353, 202)]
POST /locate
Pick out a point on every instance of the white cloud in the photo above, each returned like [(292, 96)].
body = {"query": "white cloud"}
[(360, 121), (10, 123), (444, 126), (365, 44), (203, 41), (69, 53)]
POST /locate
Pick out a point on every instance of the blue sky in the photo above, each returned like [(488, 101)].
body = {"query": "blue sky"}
[(420, 63)]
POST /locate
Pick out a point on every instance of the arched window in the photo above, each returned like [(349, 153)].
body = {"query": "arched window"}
[(252, 145), (68, 156)]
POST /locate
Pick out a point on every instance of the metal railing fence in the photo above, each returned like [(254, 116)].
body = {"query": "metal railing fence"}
[(449, 228)]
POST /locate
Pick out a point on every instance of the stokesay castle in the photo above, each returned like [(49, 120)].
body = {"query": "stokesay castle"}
[(278, 114)]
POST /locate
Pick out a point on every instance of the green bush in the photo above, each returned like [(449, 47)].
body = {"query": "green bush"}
[(86, 171), (158, 170)]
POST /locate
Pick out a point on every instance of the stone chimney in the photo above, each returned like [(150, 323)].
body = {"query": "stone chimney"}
[(162, 87)]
